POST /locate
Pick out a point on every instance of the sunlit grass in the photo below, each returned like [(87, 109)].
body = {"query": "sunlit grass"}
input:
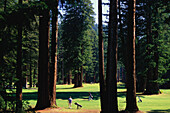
[(150, 103)]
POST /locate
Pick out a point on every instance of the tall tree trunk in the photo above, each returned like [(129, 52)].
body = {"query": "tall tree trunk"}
[(101, 61), (76, 80), (111, 82), (19, 67), (53, 70), (43, 70), (30, 69), (131, 104)]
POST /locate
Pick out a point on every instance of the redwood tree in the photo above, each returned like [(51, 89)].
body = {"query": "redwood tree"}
[(19, 67), (43, 66), (101, 61), (53, 67), (131, 104), (111, 77)]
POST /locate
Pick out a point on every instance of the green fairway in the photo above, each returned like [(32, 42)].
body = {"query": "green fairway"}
[(151, 103)]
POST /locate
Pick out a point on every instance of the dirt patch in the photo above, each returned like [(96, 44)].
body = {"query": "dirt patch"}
[(58, 110)]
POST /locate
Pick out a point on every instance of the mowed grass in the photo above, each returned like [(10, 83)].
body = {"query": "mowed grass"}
[(150, 103)]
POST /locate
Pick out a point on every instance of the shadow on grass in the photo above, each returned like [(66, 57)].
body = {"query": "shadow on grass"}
[(159, 111), (66, 95), (65, 88), (121, 86)]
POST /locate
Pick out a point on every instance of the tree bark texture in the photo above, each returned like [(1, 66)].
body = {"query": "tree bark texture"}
[(131, 104), (111, 77), (53, 70), (101, 61), (43, 66), (19, 67), (76, 78)]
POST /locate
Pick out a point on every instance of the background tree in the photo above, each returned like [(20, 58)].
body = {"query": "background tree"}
[(75, 37)]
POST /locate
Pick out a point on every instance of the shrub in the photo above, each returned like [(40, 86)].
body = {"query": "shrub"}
[(2, 103)]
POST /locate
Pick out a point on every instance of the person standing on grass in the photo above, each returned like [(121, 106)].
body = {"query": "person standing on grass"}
[(90, 96), (69, 102)]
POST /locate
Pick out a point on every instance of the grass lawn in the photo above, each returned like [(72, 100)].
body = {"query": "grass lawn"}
[(151, 103)]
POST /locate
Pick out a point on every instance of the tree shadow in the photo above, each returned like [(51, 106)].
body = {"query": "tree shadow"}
[(65, 88), (121, 86), (159, 111), (66, 95)]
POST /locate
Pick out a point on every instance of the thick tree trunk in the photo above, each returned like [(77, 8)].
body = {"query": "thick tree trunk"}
[(70, 77), (43, 70), (111, 82), (76, 80), (101, 61), (53, 70), (131, 104), (19, 68)]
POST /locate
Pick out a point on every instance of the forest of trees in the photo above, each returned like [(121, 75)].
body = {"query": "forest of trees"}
[(49, 42)]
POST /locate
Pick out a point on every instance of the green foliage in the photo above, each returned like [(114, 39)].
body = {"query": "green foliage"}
[(2, 103), (9, 21), (76, 30), (162, 81)]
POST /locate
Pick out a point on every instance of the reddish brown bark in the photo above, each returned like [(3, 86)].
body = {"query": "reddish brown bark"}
[(43, 69), (101, 61), (131, 104), (53, 70)]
